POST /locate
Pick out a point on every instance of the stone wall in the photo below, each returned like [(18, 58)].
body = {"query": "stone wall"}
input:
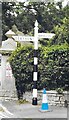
[(53, 97)]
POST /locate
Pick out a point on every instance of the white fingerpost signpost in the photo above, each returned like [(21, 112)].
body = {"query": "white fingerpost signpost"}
[(35, 39)]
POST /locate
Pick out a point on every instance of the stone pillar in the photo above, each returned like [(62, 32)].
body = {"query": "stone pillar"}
[(8, 81)]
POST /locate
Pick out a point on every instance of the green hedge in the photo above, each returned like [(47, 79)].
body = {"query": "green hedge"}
[(53, 67)]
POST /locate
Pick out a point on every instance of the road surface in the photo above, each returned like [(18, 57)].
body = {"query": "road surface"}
[(12, 109)]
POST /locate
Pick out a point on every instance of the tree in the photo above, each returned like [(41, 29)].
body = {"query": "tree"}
[(7, 17), (24, 16)]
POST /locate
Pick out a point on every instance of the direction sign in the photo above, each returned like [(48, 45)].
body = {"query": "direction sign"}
[(45, 35), (35, 39), (23, 38)]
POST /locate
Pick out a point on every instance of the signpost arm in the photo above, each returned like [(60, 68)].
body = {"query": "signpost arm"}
[(35, 69)]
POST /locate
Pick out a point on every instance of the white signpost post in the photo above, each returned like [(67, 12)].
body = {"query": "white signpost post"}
[(35, 39)]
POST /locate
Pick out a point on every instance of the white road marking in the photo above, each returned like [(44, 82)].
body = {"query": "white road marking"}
[(3, 116), (5, 109)]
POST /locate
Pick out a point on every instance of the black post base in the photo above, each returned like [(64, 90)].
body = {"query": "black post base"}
[(34, 101)]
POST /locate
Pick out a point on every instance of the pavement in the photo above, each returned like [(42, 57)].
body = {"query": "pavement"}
[(12, 109)]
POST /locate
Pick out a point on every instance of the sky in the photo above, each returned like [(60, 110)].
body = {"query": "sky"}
[(64, 3)]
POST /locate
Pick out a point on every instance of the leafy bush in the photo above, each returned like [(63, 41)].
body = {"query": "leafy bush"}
[(21, 63), (53, 67)]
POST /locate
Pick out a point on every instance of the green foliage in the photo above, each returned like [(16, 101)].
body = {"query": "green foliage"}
[(62, 32), (53, 67), (23, 101), (21, 63), (7, 17), (53, 48), (24, 16)]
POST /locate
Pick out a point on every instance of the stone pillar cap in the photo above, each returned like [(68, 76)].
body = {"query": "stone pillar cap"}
[(9, 34)]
